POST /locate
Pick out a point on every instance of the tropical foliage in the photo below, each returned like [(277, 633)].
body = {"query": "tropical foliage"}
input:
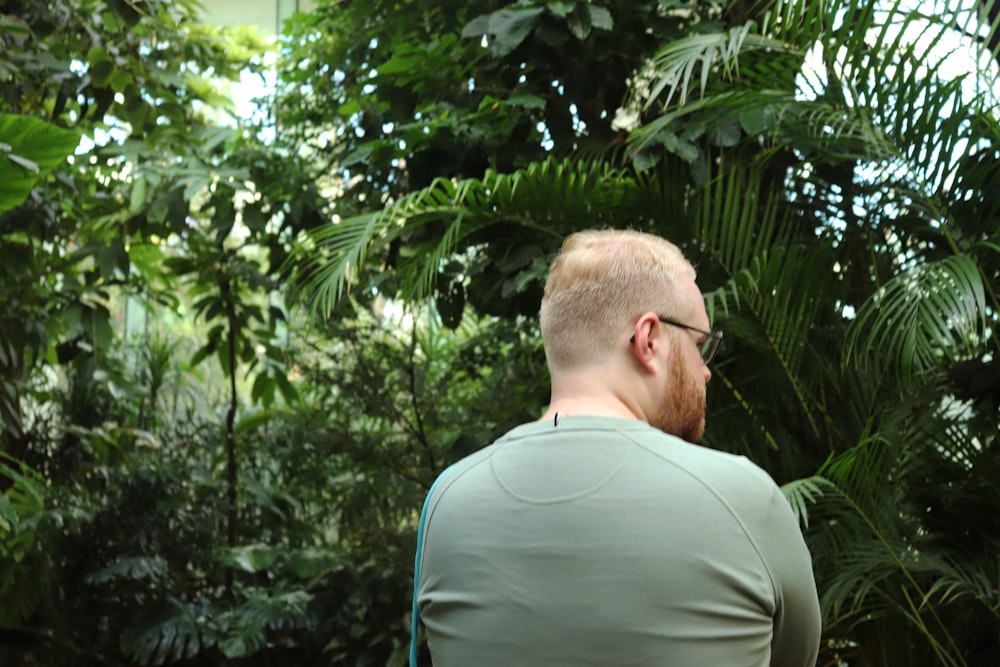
[(828, 165), (196, 471), (881, 318)]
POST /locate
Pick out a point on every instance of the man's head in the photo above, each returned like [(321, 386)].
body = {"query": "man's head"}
[(601, 310)]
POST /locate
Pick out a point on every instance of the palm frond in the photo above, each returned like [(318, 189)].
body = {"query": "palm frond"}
[(957, 581), (737, 219), (775, 286), (854, 589), (781, 292), (546, 198), (328, 259), (988, 21), (876, 567), (739, 224), (934, 313), (802, 22), (801, 493), (871, 76), (681, 61)]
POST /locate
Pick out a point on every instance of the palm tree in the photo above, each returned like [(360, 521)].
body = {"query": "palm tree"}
[(862, 288), (830, 169)]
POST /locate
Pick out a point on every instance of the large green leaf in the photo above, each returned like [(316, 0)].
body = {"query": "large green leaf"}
[(29, 148), (507, 27)]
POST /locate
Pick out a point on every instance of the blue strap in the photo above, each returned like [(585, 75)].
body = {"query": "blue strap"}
[(415, 619)]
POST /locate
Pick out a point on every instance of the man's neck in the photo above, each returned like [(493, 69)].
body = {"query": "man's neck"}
[(588, 406)]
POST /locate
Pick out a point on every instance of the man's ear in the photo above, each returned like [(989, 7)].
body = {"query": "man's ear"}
[(647, 337)]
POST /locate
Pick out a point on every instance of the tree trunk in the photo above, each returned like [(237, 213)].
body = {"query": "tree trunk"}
[(232, 509)]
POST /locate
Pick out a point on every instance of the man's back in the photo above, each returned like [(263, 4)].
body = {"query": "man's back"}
[(603, 541)]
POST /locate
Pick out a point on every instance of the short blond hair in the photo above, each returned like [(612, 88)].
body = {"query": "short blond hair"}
[(599, 285)]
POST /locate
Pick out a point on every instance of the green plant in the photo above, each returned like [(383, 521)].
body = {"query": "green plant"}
[(863, 294), (22, 513)]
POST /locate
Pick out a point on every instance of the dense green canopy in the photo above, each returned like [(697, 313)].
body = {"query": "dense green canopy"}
[(234, 353)]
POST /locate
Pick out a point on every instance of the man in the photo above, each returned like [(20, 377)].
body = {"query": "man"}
[(599, 535)]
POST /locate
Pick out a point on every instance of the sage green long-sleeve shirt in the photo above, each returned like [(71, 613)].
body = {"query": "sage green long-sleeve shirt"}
[(603, 541)]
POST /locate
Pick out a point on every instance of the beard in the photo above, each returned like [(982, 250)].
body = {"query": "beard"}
[(682, 412)]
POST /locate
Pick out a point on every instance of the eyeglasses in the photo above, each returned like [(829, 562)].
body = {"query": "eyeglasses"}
[(708, 347)]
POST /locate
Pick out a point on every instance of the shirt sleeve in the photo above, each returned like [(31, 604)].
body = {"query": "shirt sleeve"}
[(797, 623)]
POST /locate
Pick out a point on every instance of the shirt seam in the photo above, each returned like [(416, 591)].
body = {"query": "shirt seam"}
[(598, 485), (711, 489)]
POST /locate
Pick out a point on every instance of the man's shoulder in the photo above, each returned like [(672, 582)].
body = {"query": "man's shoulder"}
[(460, 468), (745, 489), (727, 474), (705, 462)]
